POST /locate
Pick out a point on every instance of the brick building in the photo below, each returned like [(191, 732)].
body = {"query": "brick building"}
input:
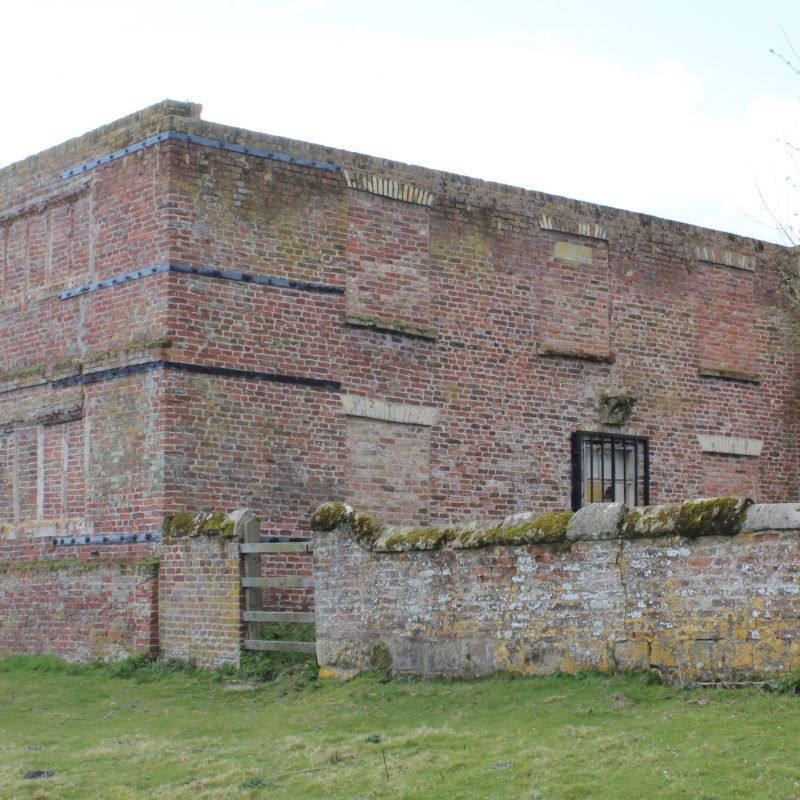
[(194, 316)]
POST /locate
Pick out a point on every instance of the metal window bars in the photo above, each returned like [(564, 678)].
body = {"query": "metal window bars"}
[(609, 467)]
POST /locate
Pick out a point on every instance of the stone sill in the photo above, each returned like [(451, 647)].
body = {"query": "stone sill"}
[(725, 374), (393, 326), (550, 351)]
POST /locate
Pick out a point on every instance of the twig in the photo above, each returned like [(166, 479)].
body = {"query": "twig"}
[(383, 753), (293, 772), (71, 719), (730, 684)]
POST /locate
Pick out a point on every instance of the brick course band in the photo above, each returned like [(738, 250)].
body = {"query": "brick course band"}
[(192, 139), (180, 366), (205, 272)]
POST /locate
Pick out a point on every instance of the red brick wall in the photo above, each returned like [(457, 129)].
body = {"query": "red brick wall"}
[(79, 611), (726, 317), (199, 592), (729, 475), (63, 479), (388, 270), (572, 294), (388, 469)]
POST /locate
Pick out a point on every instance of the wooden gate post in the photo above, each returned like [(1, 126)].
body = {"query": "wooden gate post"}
[(251, 569)]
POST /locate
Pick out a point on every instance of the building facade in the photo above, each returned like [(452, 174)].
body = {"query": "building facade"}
[(194, 316)]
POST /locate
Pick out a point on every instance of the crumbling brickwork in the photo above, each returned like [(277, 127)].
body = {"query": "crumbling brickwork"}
[(185, 307)]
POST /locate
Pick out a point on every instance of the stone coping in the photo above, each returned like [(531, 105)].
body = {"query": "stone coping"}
[(716, 516)]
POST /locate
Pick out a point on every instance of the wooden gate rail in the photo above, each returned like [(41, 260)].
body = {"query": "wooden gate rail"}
[(251, 550)]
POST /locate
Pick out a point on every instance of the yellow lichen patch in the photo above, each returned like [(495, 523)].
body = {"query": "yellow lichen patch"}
[(328, 516), (719, 516), (337, 674), (549, 528)]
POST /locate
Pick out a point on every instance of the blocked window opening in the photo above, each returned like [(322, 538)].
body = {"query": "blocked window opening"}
[(610, 468)]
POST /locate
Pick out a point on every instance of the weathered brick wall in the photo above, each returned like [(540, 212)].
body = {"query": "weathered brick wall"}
[(79, 443), (502, 312), (199, 606), (699, 606), (508, 311), (389, 468), (79, 610)]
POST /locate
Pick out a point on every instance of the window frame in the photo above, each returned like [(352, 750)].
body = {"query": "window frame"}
[(641, 450)]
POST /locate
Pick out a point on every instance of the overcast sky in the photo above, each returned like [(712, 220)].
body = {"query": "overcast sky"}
[(672, 108)]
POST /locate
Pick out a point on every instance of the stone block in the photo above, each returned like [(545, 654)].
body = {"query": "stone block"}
[(632, 654), (772, 517), (597, 521)]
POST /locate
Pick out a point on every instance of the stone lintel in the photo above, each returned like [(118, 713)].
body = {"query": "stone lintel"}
[(726, 258), (356, 406), (730, 445), (45, 410), (725, 374), (556, 351)]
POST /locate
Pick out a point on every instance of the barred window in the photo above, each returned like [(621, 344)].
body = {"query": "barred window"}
[(609, 468)]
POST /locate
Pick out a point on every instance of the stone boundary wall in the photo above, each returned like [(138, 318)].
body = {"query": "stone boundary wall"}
[(79, 610), (706, 589)]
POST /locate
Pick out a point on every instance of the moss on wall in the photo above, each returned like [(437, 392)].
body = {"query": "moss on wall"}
[(538, 529), (204, 523), (719, 516)]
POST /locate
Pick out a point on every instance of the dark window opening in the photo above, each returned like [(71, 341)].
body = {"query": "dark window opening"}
[(610, 468)]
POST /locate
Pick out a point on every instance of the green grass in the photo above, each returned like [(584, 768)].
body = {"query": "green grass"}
[(140, 731)]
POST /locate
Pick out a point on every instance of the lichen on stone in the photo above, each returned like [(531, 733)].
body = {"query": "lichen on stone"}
[(521, 529), (23, 373), (418, 539), (717, 516), (203, 523)]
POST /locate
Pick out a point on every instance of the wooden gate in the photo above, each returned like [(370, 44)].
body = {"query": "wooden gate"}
[(253, 581)]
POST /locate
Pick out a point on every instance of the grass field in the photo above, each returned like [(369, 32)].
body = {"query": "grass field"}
[(139, 731)]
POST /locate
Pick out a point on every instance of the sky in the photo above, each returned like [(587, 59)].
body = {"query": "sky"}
[(675, 108)]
